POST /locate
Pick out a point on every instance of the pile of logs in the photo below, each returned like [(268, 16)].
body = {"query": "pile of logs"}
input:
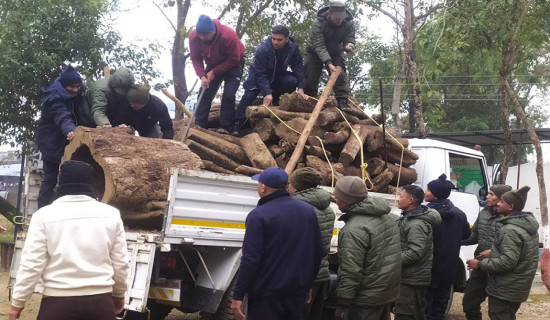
[(271, 143)]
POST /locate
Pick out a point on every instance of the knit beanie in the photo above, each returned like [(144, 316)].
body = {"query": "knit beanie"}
[(205, 24), (350, 189), (139, 93), (500, 189), (75, 178), (516, 197), (69, 77), (305, 178), (441, 187)]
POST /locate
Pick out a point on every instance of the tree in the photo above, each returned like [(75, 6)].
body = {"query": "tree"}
[(38, 37)]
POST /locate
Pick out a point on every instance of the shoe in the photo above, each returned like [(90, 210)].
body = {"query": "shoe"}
[(222, 131), (236, 131), (343, 105)]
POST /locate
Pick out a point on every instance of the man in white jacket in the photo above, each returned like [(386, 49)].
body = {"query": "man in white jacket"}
[(76, 246)]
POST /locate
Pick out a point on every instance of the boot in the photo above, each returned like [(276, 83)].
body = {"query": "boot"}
[(343, 105), (236, 131)]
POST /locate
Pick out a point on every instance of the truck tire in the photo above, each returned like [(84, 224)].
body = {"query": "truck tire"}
[(224, 311)]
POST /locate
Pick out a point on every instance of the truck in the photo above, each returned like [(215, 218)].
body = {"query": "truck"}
[(191, 263)]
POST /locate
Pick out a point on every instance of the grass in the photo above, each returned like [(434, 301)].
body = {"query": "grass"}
[(6, 236), (539, 298)]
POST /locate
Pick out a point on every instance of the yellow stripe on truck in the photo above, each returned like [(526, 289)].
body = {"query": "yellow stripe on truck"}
[(208, 223)]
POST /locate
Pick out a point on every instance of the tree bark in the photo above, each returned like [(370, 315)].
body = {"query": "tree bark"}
[(211, 166), (233, 151), (180, 55), (249, 171), (212, 155), (408, 175), (380, 182), (324, 168), (353, 145), (265, 128), (338, 137), (293, 102), (257, 152)]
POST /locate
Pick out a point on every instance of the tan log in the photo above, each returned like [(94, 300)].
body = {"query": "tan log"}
[(131, 173), (299, 125), (257, 112), (324, 168), (225, 137), (233, 151), (265, 128), (311, 122), (381, 181), (353, 146), (409, 157), (331, 115), (408, 175), (208, 154), (248, 171), (282, 161), (286, 146), (257, 152), (317, 151), (178, 103), (350, 170), (337, 137), (295, 103), (275, 150), (375, 166), (286, 115), (210, 166)]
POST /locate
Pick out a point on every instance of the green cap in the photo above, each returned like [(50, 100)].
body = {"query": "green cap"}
[(338, 9)]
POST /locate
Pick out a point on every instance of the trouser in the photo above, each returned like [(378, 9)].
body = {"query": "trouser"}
[(285, 83), (411, 303), (319, 293), (474, 294), (232, 81), (153, 132), (370, 313), (50, 171), (277, 308), (502, 310), (437, 299), (92, 307), (314, 67)]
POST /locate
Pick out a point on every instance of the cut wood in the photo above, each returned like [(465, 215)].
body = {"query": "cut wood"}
[(211, 166), (177, 102), (249, 171), (317, 151), (265, 128), (353, 145), (324, 168), (299, 125), (131, 173), (257, 112), (225, 137), (233, 151), (257, 152), (408, 175), (282, 161), (286, 146), (208, 154), (337, 137), (375, 166), (381, 181), (409, 157), (295, 103), (353, 171), (275, 150), (331, 115)]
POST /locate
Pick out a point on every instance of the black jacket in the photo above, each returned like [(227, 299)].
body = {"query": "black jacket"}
[(282, 249), (154, 111)]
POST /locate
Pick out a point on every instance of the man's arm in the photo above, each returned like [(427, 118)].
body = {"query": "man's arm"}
[(350, 35), (352, 250), (195, 54), (63, 118), (473, 236), (510, 249), (417, 243), (317, 39), (119, 259), (263, 76), (99, 101)]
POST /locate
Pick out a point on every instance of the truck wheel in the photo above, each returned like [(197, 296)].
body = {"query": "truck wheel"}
[(224, 311), (158, 312)]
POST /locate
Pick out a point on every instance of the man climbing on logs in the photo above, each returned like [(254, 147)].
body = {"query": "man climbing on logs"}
[(219, 47), (148, 112), (270, 75), (332, 33)]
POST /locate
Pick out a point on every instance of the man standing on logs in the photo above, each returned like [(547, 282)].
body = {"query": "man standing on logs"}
[(483, 234), (281, 254), (270, 75), (368, 254), (149, 112), (514, 257), (221, 49), (77, 248), (304, 185), (447, 239), (416, 226), (56, 126)]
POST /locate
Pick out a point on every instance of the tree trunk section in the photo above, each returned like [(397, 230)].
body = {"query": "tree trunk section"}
[(179, 55), (257, 152), (211, 155), (353, 145), (233, 151)]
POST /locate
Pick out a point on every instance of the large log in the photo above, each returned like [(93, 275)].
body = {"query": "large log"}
[(381, 181), (324, 168), (275, 150), (265, 128), (211, 166), (353, 145), (317, 151), (249, 171), (409, 157), (299, 125), (295, 103), (330, 115), (257, 152), (131, 173), (286, 115), (208, 154), (337, 137), (224, 147), (375, 166), (225, 137), (408, 175), (257, 112)]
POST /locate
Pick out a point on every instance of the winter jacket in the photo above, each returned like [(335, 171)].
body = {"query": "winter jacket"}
[(77, 247), (369, 255), (282, 249), (222, 54), (56, 120), (416, 231), (448, 236), (484, 230), (262, 73), (327, 40), (320, 200), (514, 258), (106, 105), (155, 111)]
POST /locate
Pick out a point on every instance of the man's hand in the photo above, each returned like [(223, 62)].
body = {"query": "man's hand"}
[(210, 75), (70, 135), (484, 254), (309, 296), (349, 47), (472, 264), (122, 126), (106, 126), (205, 83), (341, 313), (331, 68), (14, 313), (268, 99), (118, 303), (302, 94), (237, 307)]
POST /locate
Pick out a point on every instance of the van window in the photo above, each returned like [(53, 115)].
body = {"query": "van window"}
[(467, 174)]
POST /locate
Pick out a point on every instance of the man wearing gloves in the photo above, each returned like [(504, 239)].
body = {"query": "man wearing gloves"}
[(483, 234), (368, 253), (219, 47), (513, 260), (304, 185), (416, 226), (447, 239), (150, 115), (77, 247)]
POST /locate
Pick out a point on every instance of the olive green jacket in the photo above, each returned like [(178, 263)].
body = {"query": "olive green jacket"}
[(320, 200), (484, 230), (369, 255), (416, 231), (514, 258)]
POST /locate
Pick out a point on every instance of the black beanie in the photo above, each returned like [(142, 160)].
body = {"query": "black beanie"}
[(441, 187), (69, 77), (75, 178)]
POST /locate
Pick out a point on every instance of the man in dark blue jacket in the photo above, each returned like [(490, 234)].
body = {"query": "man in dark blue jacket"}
[(56, 126), (150, 115), (447, 239), (269, 74), (282, 252)]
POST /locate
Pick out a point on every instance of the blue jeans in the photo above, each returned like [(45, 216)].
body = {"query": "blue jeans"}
[(232, 81), (286, 83)]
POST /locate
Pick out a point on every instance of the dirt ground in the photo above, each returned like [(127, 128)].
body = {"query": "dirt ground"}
[(536, 308)]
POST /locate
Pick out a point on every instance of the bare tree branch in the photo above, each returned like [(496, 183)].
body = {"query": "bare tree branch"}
[(165, 16), (384, 12), (427, 13)]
